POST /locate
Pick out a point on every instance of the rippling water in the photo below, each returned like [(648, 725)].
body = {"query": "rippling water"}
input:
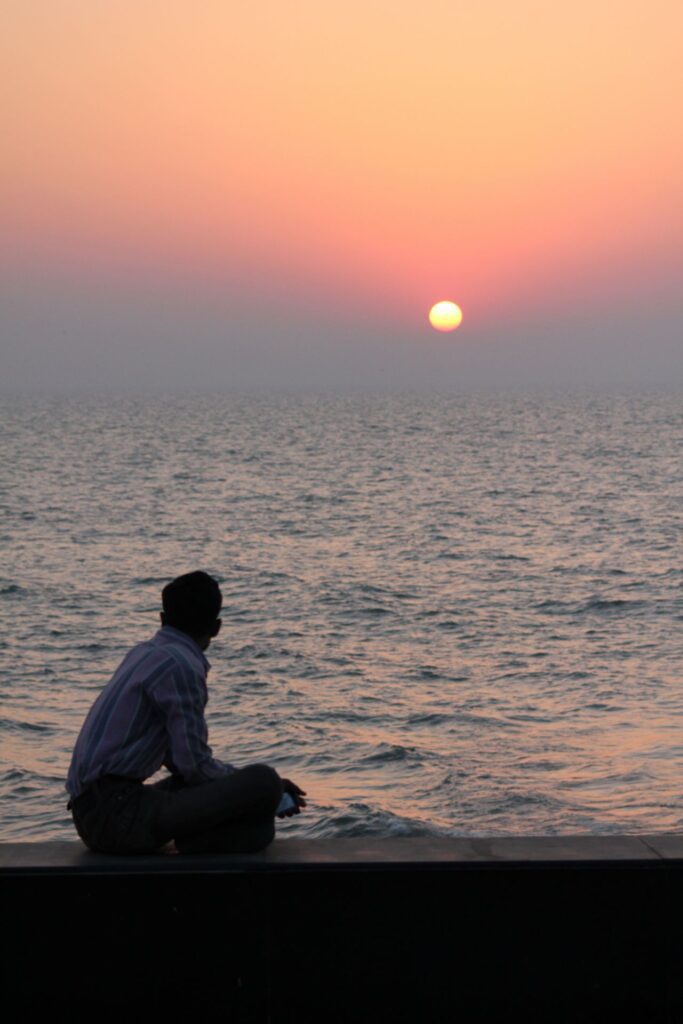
[(443, 614)]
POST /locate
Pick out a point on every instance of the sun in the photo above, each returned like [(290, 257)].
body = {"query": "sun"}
[(445, 316)]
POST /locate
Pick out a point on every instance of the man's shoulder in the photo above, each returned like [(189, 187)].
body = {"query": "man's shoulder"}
[(162, 656), (180, 650), (144, 655)]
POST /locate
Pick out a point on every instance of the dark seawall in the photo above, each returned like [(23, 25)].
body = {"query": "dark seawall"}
[(577, 928)]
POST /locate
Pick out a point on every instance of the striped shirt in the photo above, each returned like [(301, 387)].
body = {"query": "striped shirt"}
[(150, 714)]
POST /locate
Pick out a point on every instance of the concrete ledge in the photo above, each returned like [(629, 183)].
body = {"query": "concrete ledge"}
[(558, 929), (285, 855)]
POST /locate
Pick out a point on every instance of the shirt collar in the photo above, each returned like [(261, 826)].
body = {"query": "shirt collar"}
[(169, 633)]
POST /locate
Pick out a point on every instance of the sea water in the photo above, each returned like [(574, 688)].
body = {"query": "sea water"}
[(443, 614)]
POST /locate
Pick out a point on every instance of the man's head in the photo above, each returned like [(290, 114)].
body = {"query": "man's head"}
[(192, 604)]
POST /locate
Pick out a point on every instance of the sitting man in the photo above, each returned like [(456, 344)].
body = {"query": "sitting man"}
[(151, 714)]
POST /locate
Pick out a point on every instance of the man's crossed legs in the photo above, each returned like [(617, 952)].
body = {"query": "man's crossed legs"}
[(231, 814)]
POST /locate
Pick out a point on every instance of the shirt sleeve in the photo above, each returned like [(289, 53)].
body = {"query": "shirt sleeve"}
[(180, 697)]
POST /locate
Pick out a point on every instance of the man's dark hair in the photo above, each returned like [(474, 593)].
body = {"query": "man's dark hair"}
[(192, 603)]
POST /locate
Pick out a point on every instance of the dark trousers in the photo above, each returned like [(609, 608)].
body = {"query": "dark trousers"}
[(232, 814)]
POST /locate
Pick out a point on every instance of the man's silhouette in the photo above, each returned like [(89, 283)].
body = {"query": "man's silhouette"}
[(151, 714)]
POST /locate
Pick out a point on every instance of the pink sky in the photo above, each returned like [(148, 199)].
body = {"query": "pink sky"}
[(274, 171)]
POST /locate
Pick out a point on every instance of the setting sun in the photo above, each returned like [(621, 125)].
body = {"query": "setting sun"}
[(445, 316)]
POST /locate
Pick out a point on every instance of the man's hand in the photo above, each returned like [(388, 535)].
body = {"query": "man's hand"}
[(297, 796)]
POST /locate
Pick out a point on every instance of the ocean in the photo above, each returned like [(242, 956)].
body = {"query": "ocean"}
[(444, 614)]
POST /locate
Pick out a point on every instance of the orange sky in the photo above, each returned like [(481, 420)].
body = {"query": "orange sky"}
[(383, 154)]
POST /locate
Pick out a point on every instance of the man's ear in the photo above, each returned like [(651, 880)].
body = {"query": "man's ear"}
[(216, 627)]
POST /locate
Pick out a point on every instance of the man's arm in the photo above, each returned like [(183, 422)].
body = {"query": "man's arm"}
[(180, 697)]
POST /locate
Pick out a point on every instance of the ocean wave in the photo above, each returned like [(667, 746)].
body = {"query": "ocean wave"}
[(603, 604), (13, 725), (435, 718), (361, 820), (388, 752), (592, 604), (12, 590), (13, 775)]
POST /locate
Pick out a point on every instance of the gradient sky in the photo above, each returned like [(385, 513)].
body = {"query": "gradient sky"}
[(235, 195)]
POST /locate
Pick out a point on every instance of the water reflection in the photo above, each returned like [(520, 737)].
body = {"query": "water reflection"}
[(458, 612)]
